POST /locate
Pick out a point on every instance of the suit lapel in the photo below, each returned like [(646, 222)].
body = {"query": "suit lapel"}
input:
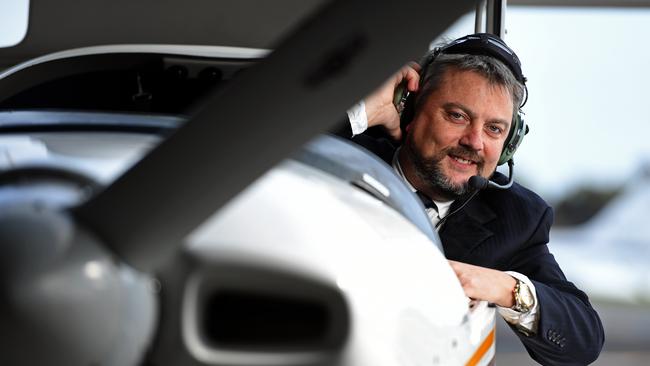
[(465, 230)]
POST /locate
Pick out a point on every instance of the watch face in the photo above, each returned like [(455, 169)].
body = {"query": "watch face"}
[(525, 296)]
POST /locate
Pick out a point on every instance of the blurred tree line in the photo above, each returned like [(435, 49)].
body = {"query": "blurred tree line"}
[(582, 204)]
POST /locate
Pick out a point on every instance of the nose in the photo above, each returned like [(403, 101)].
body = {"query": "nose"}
[(472, 138)]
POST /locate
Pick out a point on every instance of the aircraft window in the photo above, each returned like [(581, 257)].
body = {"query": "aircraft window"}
[(100, 155), (13, 22)]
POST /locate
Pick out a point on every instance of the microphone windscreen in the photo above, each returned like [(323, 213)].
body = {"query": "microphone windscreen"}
[(476, 182)]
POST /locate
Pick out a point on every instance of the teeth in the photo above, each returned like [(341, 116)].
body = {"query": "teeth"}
[(460, 160)]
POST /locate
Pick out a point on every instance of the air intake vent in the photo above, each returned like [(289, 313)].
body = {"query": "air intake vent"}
[(238, 319), (237, 314)]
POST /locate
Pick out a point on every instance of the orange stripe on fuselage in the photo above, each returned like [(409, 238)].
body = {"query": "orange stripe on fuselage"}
[(482, 349)]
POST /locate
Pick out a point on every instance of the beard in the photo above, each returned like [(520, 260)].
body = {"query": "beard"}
[(429, 170)]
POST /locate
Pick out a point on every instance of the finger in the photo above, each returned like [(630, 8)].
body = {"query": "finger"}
[(413, 80), (407, 72), (396, 133), (415, 66), (400, 75)]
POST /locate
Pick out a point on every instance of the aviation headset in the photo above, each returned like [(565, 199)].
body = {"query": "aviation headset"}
[(479, 44)]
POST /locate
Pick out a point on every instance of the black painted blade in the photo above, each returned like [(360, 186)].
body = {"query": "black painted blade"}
[(337, 56)]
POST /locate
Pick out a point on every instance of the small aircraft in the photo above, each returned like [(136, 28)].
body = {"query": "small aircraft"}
[(607, 256), (157, 207)]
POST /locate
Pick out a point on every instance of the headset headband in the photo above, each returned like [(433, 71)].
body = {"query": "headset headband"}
[(489, 45)]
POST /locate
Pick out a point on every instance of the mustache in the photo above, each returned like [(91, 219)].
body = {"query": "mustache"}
[(464, 152)]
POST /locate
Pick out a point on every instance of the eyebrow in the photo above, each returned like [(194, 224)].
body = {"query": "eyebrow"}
[(472, 115)]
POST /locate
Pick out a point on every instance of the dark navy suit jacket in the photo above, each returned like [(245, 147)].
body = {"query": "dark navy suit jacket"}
[(508, 230)]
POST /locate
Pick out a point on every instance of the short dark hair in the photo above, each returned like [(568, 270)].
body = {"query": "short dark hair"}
[(495, 71)]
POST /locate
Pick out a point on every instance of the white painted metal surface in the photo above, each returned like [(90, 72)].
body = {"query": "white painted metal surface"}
[(407, 307)]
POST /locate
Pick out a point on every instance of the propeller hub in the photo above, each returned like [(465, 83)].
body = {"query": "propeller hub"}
[(64, 299)]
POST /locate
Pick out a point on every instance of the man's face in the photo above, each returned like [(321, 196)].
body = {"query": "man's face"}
[(458, 132)]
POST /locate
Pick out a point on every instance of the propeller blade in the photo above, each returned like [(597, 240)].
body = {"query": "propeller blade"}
[(303, 88)]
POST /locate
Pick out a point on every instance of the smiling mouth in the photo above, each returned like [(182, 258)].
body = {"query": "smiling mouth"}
[(462, 160)]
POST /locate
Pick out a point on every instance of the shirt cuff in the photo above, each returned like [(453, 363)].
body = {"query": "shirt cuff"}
[(358, 118), (524, 321)]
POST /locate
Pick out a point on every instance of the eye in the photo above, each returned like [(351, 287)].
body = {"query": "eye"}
[(455, 115), (495, 129)]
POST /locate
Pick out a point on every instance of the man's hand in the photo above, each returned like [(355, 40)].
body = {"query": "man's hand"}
[(485, 284), (379, 105)]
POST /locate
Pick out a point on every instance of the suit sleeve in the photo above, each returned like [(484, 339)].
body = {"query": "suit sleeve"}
[(342, 129), (569, 330)]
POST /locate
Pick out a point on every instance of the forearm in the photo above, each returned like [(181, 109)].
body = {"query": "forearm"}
[(569, 330)]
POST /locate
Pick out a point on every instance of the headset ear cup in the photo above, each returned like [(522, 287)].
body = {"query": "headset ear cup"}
[(408, 113), (514, 139)]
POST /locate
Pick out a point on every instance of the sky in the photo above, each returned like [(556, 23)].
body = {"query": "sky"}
[(588, 75)]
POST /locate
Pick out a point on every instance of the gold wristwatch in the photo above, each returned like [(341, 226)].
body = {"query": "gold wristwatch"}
[(524, 300)]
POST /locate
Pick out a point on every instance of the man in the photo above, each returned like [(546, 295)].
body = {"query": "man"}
[(465, 115)]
